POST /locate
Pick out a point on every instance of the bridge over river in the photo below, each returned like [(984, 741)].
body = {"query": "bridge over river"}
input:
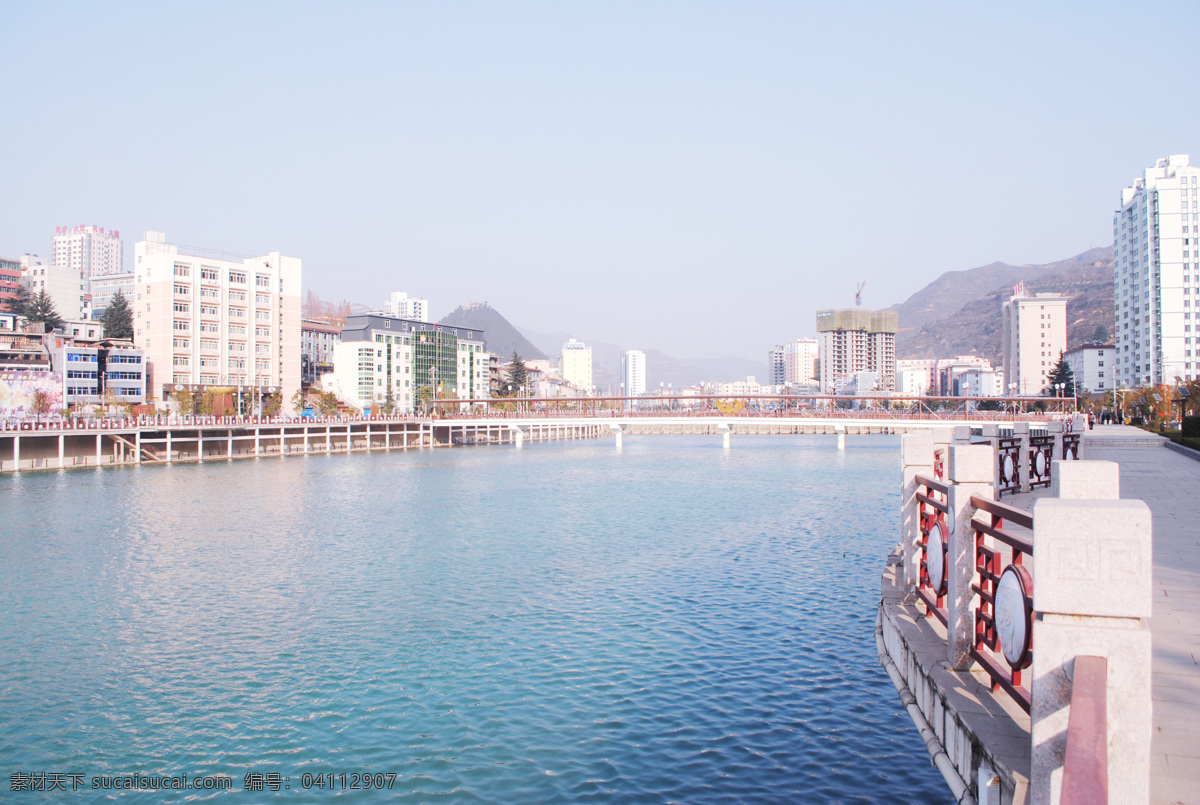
[(61, 444)]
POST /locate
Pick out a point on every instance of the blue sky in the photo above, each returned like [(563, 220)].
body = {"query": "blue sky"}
[(692, 177)]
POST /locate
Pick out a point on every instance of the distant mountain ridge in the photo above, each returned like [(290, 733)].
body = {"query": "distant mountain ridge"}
[(960, 313), (500, 338)]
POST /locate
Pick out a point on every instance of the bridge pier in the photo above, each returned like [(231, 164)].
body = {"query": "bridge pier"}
[(618, 433), (725, 430), (840, 430)]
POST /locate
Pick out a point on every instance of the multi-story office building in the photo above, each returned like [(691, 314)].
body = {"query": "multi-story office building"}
[(1156, 276), (66, 286), (211, 319), (10, 280), (89, 249), (633, 372), (402, 306), (317, 340), (857, 340), (419, 361), (106, 287), (1092, 366), (1034, 337), (948, 380), (575, 364), (105, 372)]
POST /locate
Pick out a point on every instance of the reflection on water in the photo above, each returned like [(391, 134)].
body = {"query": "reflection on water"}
[(671, 621)]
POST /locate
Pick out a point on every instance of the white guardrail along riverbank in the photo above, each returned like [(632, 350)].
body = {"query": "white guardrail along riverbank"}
[(1018, 638)]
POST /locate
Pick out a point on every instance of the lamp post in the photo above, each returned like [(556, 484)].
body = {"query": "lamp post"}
[(1012, 391)]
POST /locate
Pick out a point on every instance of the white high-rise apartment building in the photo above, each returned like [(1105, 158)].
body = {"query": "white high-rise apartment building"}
[(1092, 366), (402, 306), (205, 320), (633, 372), (854, 341), (1034, 337), (1156, 275), (800, 360), (90, 249), (576, 365)]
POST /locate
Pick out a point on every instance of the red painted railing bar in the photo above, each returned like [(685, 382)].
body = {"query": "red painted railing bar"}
[(936, 486), (1085, 768), (1014, 515)]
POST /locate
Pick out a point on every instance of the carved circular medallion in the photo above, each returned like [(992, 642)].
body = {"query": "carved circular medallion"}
[(1008, 468), (1039, 463), (1013, 611), (935, 558)]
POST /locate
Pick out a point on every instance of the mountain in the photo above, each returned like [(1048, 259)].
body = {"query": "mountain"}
[(960, 313), (660, 367), (500, 338)]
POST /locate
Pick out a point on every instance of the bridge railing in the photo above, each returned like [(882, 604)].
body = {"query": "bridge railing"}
[(1065, 636)]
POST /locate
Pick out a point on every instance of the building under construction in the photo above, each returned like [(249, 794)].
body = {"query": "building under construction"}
[(855, 341)]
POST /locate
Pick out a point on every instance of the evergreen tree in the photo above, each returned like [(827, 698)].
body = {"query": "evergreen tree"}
[(1062, 374), (41, 308), (389, 401), (118, 318), (20, 305), (518, 375)]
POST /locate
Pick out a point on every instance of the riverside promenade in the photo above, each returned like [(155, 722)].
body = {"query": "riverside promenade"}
[(1169, 483), (970, 726)]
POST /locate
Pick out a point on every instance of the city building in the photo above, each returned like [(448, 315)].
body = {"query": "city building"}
[(419, 361), (916, 377), (857, 340), (1156, 276), (88, 330), (575, 365), (317, 341), (10, 280), (800, 361), (66, 287), (776, 367), (633, 372), (1034, 336), (402, 306), (213, 319), (88, 249), (1092, 366), (978, 382), (107, 372), (106, 287), (951, 372)]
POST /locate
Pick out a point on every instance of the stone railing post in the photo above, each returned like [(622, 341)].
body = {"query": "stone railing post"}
[(970, 473), (1092, 568), (916, 458), (1056, 429), (1021, 432), (962, 434)]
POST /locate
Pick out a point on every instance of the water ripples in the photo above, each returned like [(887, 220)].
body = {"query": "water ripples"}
[(668, 623)]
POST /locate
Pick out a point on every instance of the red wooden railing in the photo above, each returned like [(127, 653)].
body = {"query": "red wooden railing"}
[(1004, 637)]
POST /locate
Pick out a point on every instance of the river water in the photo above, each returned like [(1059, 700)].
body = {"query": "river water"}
[(566, 622)]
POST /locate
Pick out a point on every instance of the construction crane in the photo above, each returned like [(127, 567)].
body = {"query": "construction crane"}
[(858, 294)]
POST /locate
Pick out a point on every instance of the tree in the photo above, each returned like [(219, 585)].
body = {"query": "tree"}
[(1101, 334), (41, 308), (272, 403), (299, 400), (518, 375), (1062, 374), (20, 305), (328, 403), (186, 401), (389, 401), (41, 403), (118, 317)]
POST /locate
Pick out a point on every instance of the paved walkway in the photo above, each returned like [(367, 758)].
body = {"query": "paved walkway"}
[(1170, 484)]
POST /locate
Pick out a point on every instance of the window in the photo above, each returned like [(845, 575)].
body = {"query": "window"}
[(182, 307), (208, 274), (237, 313), (181, 360), (237, 277), (237, 329), (209, 327), (237, 296), (182, 326), (209, 310), (263, 281), (210, 293), (182, 343), (262, 315), (182, 271), (262, 299), (208, 344), (262, 332), (237, 346)]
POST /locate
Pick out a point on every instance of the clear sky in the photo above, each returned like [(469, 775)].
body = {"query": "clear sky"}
[(693, 177)]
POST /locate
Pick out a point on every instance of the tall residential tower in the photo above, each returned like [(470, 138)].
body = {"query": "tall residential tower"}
[(854, 341), (1156, 275), (1034, 338)]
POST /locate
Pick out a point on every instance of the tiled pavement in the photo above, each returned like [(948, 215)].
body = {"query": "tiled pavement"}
[(1170, 485)]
